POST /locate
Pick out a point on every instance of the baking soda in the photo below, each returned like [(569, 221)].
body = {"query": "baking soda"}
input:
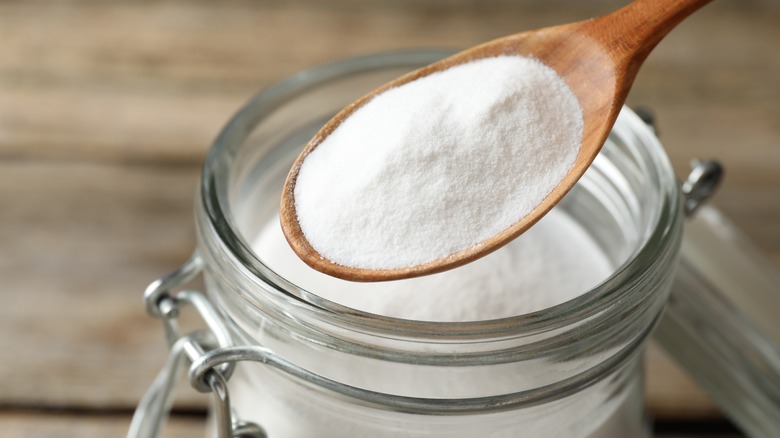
[(553, 262), (439, 165)]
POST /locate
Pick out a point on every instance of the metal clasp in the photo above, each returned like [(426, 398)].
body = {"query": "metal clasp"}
[(164, 304), (702, 181)]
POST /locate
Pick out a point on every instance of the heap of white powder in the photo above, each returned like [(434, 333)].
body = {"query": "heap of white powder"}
[(438, 165), (555, 261)]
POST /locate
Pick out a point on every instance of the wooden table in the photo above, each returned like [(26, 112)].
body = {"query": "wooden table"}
[(107, 109)]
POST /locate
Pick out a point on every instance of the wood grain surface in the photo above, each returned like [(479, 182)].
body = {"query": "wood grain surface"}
[(107, 109)]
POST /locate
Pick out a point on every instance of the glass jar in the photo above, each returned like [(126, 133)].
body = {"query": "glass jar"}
[(572, 370)]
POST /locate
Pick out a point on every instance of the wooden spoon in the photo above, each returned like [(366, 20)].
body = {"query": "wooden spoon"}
[(597, 58)]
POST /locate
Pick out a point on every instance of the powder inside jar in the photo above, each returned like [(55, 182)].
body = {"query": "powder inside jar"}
[(438, 165), (554, 261)]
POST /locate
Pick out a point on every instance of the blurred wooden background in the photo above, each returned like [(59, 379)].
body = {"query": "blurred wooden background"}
[(107, 109)]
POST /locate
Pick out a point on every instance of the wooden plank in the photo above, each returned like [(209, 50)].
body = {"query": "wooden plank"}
[(80, 242), (156, 81), (69, 425)]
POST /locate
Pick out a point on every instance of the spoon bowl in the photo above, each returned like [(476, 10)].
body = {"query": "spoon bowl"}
[(598, 59)]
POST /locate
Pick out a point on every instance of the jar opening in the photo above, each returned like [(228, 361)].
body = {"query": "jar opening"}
[(641, 192)]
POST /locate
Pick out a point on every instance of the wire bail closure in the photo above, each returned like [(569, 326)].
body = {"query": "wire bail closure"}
[(162, 303)]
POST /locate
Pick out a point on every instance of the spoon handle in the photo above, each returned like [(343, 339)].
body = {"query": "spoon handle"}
[(633, 31)]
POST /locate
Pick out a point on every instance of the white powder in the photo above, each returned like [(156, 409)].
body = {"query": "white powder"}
[(438, 165), (553, 262)]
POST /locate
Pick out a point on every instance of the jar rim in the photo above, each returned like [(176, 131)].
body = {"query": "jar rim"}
[(215, 201)]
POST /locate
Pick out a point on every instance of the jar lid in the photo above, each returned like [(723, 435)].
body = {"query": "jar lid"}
[(722, 324)]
